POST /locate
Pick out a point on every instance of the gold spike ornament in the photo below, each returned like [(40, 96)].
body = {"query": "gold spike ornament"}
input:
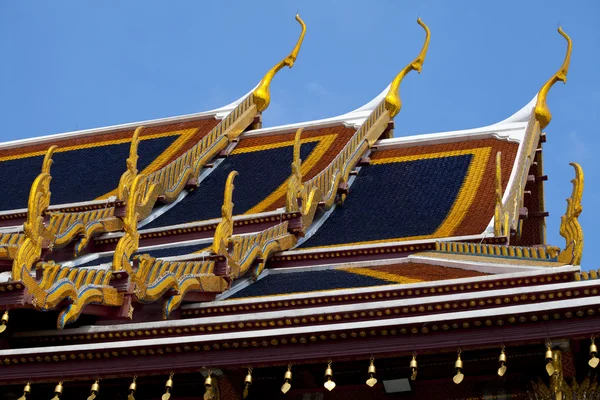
[(371, 372), (329, 383), (58, 390), (132, 389), (168, 388), (593, 354), (392, 100), (4, 321), (262, 95), (549, 357), (94, 390), (247, 383), (26, 391), (502, 362), (458, 366), (287, 380), (542, 112), (413, 367)]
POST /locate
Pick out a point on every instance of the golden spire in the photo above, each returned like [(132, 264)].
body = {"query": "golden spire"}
[(224, 230), (261, 95), (542, 112), (392, 100)]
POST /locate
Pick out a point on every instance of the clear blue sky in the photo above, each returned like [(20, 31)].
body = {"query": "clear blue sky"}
[(74, 65)]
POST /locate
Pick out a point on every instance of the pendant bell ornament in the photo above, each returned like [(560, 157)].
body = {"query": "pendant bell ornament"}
[(26, 391), (247, 383), (502, 362), (549, 366), (208, 384), (58, 390), (287, 380), (458, 366), (329, 383), (168, 388), (413, 367), (371, 372), (593, 355), (132, 389), (94, 390), (4, 321)]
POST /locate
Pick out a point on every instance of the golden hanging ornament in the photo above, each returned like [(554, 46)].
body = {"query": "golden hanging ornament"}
[(58, 390), (549, 365), (593, 354), (413, 367), (208, 385), (371, 372), (458, 367), (94, 390), (168, 388), (4, 321), (247, 383), (502, 362), (329, 383), (287, 380), (26, 391), (132, 389)]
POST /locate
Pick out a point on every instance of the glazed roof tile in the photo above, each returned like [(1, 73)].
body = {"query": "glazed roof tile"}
[(354, 277), (88, 167), (419, 192)]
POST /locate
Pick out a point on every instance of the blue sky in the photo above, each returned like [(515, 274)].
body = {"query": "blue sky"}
[(74, 65)]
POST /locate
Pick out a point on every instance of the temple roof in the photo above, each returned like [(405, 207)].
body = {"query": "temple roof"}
[(204, 211)]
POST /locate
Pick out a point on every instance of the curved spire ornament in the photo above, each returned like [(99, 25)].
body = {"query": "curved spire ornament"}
[(570, 228), (542, 112), (261, 95), (224, 230), (392, 100)]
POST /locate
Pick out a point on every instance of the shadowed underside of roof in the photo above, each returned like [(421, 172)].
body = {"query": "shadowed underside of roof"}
[(89, 167), (343, 278), (263, 163), (420, 192)]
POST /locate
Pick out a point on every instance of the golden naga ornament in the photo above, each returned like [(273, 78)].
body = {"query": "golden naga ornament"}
[(262, 95), (4, 321), (502, 362), (131, 162), (295, 189), (458, 367), (570, 228), (549, 365), (224, 230), (542, 112), (26, 391), (247, 383), (58, 391), (168, 388), (371, 372), (392, 101), (413, 367), (593, 362), (94, 390), (132, 389), (287, 380), (329, 383)]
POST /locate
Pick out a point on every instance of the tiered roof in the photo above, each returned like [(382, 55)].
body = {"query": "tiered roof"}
[(312, 233)]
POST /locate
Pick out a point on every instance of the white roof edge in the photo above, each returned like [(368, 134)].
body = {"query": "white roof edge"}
[(353, 118), (333, 327), (220, 112)]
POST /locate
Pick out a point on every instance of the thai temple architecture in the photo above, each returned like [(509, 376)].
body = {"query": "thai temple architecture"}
[(204, 256)]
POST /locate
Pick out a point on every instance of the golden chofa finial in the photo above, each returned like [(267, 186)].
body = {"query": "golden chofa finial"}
[(261, 95), (392, 100), (542, 112)]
